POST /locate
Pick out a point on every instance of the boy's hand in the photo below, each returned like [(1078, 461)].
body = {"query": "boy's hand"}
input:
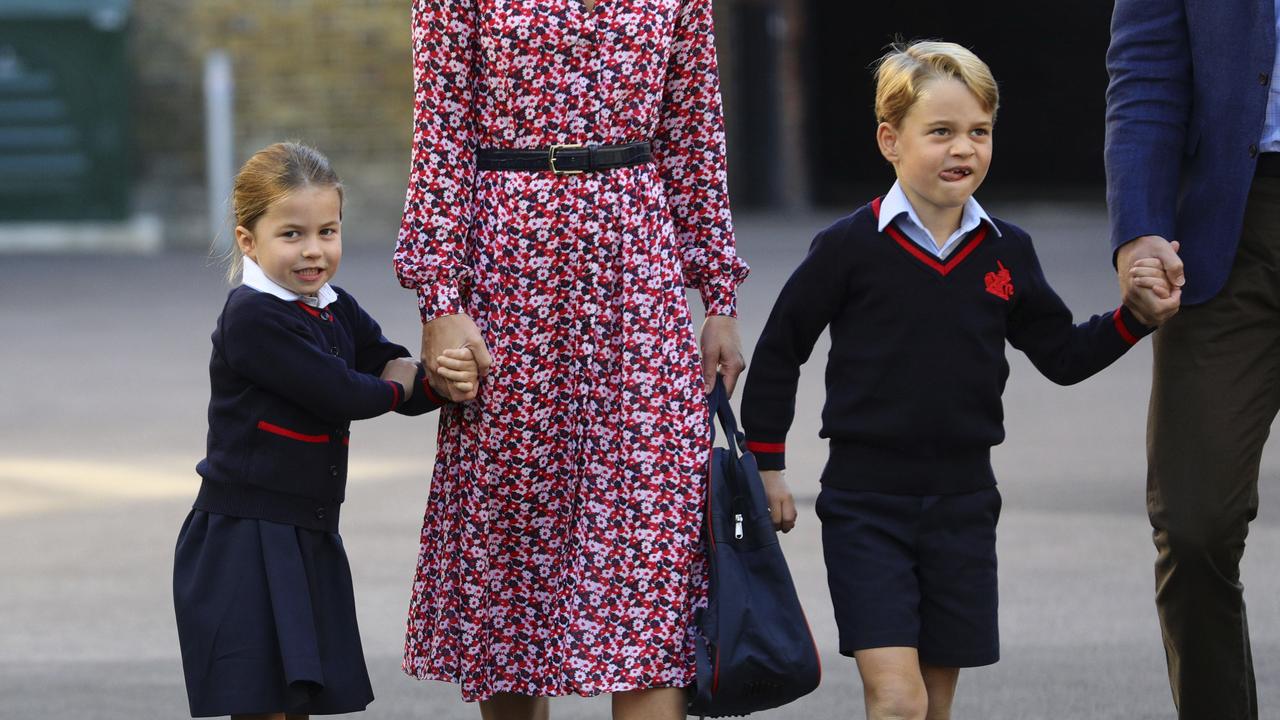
[(403, 371), (782, 507), (1151, 253), (1148, 294), (456, 375)]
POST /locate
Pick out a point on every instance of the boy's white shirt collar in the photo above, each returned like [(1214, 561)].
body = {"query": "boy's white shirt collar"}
[(253, 276), (896, 204)]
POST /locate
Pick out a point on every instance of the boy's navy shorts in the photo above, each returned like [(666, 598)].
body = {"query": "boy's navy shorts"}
[(914, 571)]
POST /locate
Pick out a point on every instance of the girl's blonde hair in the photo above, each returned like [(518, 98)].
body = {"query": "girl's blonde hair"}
[(903, 71), (267, 178)]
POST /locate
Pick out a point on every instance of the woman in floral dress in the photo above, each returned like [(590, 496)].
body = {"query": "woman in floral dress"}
[(560, 550)]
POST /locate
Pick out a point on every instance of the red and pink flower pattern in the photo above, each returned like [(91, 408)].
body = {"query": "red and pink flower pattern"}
[(560, 549)]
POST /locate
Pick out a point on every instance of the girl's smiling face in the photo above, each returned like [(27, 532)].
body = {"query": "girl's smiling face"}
[(298, 241)]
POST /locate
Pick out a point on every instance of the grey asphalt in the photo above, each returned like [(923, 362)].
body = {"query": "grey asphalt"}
[(102, 399)]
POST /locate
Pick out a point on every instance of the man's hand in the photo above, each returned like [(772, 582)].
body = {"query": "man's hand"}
[(782, 507), (1156, 247), (452, 332), (721, 352)]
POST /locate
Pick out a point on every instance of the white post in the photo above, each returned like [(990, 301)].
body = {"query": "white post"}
[(219, 100)]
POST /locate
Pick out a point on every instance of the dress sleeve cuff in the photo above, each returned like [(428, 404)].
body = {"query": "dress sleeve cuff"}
[(720, 298), (438, 300)]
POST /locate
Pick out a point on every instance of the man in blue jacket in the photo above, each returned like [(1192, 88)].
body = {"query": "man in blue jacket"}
[(1193, 155)]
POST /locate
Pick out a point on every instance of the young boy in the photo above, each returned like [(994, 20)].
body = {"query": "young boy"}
[(920, 290)]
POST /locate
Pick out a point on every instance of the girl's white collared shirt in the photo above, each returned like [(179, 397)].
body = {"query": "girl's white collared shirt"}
[(253, 276)]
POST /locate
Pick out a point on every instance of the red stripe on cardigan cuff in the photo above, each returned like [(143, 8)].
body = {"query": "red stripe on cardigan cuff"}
[(764, 447), (291, 434), (399, 393), (1125, 333), (431, 392)]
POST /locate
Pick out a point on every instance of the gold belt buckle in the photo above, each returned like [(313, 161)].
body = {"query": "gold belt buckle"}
[(557, 148)]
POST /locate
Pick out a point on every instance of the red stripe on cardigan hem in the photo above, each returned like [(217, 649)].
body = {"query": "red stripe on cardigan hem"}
[(286, 432), (395, 388)]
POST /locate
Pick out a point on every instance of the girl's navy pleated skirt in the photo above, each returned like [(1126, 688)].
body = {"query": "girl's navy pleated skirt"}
[(266, 619)]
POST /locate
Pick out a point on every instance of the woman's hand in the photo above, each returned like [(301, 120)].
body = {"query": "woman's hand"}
[(721, 352), (782, 507), (452, 332)]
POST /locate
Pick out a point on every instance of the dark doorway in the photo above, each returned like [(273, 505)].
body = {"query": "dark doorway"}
[(1050, 61)]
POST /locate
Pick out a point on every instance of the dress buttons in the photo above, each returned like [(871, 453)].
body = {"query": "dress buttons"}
[(320, 513), (333, 470)]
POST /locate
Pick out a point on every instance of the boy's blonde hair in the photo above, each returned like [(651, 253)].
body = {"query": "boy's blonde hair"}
[(906, 68), (266, 178)]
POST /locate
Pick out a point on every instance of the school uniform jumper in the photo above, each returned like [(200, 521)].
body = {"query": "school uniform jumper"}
[(909, 471), (262, 589)]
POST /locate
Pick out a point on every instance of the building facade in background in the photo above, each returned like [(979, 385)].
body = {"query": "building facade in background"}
[(128, 137)]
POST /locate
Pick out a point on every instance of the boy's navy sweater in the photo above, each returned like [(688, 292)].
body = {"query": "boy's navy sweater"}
[(286, 380), (917, 363)]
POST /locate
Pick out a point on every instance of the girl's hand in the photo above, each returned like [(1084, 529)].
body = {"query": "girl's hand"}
[(456, 369), (451, 332), (782, 507), (403, 371)]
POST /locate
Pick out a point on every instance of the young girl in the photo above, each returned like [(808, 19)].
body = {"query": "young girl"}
[(262, 589)]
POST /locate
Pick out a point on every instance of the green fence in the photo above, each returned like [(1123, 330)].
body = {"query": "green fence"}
[(64, 133)]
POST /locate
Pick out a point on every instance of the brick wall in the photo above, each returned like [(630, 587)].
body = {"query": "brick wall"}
[(333, 73)]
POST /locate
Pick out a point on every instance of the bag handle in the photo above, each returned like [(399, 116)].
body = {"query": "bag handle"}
[(718, 405)]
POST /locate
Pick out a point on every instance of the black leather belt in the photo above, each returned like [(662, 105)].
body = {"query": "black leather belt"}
[(1268, 165), (565, 159)]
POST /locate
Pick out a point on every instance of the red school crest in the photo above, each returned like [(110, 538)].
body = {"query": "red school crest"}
[(1000, 283)]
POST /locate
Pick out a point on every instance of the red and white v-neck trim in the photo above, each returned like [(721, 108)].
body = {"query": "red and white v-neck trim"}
[(966, 247)]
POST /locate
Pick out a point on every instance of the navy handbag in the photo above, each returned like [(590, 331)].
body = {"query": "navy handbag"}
[(754, 648)]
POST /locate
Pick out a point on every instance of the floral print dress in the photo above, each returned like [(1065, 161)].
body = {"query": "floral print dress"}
[(560, 548)]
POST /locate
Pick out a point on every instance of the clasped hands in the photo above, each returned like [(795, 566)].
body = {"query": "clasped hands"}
[(454, 355), (1151, 277)]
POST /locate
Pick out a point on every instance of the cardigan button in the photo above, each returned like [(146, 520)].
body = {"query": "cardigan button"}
[(320, 513), (333, 350), (1264, 78), (333, 470), (324, 315), (1253, 151)]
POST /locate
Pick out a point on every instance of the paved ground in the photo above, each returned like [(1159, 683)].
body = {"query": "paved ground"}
[(102, 401)]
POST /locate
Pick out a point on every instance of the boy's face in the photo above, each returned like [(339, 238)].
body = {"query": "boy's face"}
[(298, 240), (942, 148)]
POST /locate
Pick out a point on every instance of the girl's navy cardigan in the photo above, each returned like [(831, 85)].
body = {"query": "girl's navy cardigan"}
[(286, 380), (917, 363)]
